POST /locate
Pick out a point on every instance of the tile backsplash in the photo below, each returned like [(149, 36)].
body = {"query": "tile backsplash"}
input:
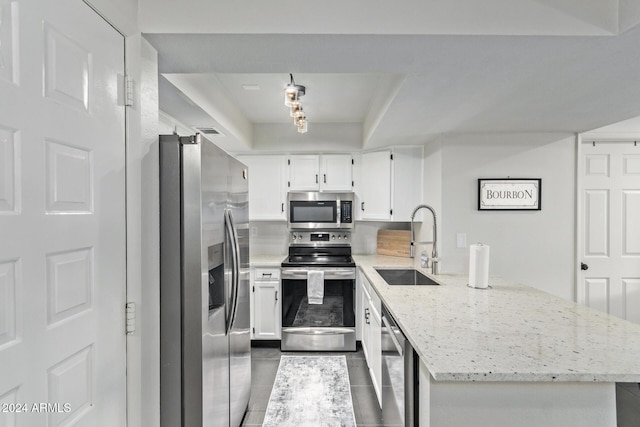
[(272, 237)]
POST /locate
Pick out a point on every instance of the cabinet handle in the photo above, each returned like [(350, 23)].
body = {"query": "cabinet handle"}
[(282, 208), (325, 178), (362, 206), (266, 274), (276, 295), (316, 178)]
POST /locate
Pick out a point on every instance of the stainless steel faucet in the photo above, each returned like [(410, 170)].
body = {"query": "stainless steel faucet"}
[(434, 252)]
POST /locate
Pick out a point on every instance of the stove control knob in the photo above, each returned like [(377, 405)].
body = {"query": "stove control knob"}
[(333, 237), (295, 237), (339, 237)]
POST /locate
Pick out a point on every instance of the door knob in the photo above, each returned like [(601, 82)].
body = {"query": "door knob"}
[(583, 266)]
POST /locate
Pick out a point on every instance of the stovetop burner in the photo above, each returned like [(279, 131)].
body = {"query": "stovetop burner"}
[(318, 261), (313, 256)]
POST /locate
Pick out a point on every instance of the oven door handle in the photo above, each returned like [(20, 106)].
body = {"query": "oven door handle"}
[(329, 274)]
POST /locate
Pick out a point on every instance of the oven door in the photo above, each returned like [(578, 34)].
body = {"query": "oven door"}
[(329, 326)]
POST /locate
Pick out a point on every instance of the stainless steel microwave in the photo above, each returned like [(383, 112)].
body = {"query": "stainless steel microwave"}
[(312, 209)]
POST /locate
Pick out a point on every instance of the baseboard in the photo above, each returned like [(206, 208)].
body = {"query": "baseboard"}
[(265, 343)]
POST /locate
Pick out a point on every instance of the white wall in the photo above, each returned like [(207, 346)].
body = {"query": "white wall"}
[(143, 222), (122, 14), (143, 354), (535, 248), (321, 137)]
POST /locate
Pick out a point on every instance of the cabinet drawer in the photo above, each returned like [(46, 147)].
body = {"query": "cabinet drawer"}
[(266, 274)]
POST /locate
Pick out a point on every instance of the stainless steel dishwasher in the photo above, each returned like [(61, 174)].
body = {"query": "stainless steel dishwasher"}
[(399, 380)]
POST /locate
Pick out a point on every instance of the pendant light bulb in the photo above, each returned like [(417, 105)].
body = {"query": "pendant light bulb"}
[(302, 126), (292, 94), (295, 107)]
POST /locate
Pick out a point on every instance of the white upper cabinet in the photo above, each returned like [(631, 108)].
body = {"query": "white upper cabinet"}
[(327, 172), (375, 186), (390, 184), (267, 187), (336, 172), (304, 173)]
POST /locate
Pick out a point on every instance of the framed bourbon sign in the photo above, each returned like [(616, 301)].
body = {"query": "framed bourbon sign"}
[(509, 194)]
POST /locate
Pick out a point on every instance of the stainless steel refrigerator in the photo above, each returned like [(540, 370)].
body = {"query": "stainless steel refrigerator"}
[(205, 352)]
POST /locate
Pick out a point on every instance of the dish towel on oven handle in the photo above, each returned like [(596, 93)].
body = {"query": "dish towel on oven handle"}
[(315, 286)]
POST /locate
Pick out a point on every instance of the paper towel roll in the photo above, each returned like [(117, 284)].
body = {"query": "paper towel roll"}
[(479, 266)]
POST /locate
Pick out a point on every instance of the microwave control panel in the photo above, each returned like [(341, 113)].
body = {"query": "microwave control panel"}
[(346, 211)]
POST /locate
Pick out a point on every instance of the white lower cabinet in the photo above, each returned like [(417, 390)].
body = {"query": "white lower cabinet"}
[(265, 304), (371, 328)]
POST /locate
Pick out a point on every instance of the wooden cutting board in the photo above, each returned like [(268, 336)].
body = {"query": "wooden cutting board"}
[(394, 242)]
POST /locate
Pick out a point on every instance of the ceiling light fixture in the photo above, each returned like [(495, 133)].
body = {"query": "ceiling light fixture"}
[(292, 94)]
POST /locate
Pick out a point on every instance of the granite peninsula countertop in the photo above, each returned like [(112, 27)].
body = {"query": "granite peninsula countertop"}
[(510, 332)]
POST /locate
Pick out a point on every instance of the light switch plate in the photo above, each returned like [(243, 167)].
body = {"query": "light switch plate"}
[(461, 240)]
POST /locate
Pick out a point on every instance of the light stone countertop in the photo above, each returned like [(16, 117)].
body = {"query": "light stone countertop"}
[(510, 332)]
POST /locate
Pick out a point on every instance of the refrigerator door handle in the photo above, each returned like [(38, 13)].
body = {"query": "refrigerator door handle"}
[(235, 268), (228, 228)]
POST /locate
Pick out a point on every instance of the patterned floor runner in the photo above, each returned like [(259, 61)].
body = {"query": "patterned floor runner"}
[(311, 391)]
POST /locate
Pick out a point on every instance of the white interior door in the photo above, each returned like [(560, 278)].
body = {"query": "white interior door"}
[(62, 217), (609, 245)]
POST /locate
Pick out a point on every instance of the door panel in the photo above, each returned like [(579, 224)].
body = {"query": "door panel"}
[(632, 299), (630, 224), (610, 242), (596, 222), (62, 215)]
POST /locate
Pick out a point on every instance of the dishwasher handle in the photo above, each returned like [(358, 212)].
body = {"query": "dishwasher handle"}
[(391, 331)]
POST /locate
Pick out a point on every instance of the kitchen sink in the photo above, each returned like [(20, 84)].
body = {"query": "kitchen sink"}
[(404, 277)]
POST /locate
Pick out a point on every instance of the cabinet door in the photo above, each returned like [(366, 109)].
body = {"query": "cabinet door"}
[(375, 353), (304, 173), (266, 305), (267, 187), (375, 202), (336, 172)]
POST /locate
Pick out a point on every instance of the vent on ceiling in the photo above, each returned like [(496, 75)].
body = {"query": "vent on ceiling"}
[(210, 131)]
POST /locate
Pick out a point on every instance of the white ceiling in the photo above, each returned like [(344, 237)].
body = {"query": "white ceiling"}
[(402, 89)]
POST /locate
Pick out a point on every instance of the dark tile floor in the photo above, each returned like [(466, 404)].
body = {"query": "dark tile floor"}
[(264, 365)]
